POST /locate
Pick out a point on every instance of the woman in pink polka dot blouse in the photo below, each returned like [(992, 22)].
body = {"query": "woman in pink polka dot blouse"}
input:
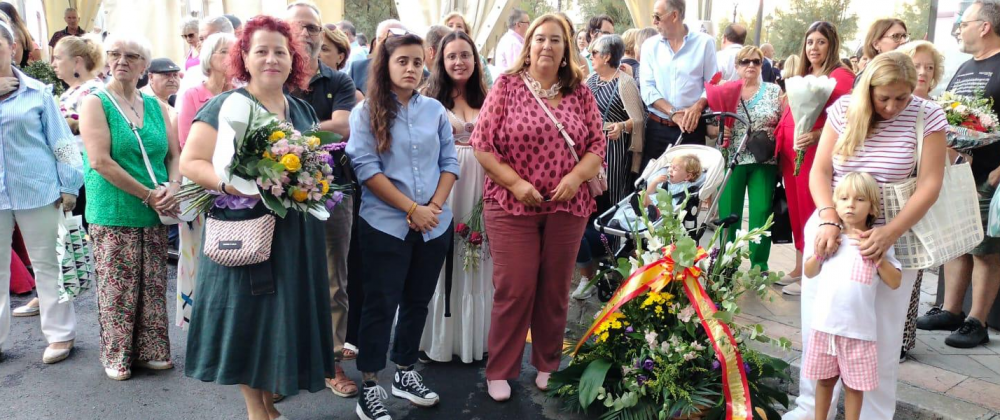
[(536, 200)]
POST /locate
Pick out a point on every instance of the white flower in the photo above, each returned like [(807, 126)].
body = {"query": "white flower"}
[(649, 258), (665, 347), (740, 233), (651, 339), (627, 370), (697, 346), (653, 243), (755, 238), (962, 109), (686, 314), (690, 356)]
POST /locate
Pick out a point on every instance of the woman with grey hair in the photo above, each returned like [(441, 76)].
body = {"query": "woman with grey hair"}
[(129, 141), (624, 116), (41, 178), (189, 31)]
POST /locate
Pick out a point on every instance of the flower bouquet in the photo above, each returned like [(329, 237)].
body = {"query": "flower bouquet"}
[(666, 345), (473, 236), (971, 120), (807, 97), (269, 158)]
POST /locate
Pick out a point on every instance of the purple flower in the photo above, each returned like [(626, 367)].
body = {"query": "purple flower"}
[(335, 199), (716, 365), (746, 367), (629, 329), (334, 146), (642, 379), (638, 364), (234, 202), (648, 364)]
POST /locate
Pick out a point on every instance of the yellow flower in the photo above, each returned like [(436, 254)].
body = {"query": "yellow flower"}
[(299, 195), (325, 187), (602, 337), (276, 135), (291, 162), (954, 105), (268, 155), (312, 141)]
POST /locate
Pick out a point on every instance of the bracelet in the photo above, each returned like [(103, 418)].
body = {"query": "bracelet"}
[(820, 211), (174, 181), (222, 188), (431, 203), (409, 213), (838, 225), (146, 201)]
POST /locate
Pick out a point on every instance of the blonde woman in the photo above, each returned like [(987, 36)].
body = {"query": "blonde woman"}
[(872, 130), (335, 49)]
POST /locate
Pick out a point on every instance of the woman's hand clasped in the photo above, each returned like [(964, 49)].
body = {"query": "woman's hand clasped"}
[(527, 194), (827, 241), (424, 218), (165, 202), (567, 188), (876, 242), (615, 132)]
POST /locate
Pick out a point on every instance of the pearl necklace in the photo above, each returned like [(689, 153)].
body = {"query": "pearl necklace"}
[(549, 93)]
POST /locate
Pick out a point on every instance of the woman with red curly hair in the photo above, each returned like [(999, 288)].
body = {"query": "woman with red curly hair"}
[(265, 327)]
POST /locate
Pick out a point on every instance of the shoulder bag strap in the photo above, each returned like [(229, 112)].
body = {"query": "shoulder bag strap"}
[(920, 134), (135, 131), (559, 126)]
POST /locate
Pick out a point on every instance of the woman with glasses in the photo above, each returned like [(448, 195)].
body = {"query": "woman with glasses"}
[(124, 209), (820, 56), (41, 178), (885, 35), (189, 31), (456, 22), (756, 173)]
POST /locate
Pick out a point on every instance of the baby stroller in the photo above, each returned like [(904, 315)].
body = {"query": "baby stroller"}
[(714, 175)]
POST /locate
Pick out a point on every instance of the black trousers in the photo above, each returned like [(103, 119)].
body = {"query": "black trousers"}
[(398, 274), (355, 276), (660, 136)]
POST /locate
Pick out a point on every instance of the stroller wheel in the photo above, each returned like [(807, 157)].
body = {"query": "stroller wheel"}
[(608, 284)]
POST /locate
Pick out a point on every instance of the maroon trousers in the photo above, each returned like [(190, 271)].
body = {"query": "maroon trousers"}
[(533, 260)]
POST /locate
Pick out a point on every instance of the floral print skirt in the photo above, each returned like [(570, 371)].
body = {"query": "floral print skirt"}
[(131, 266)]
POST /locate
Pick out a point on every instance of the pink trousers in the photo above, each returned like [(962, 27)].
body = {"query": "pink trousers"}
[(533, 260)]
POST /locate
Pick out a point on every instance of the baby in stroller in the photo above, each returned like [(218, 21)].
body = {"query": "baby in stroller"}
[(683, 176)]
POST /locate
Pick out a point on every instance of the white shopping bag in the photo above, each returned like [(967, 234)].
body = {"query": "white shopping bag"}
[(76, 261)]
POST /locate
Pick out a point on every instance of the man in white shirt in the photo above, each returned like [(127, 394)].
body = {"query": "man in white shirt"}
[(510, 45), (732, 42), (357, 53)]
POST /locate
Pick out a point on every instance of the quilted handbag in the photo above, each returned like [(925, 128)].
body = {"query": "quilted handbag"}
[(236, 243), (952, 226)]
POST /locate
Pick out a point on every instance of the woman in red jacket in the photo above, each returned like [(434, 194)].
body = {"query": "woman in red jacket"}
[(820, 57)]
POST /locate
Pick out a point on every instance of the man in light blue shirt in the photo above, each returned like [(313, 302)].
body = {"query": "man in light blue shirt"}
[(357, 53), (672, 75)]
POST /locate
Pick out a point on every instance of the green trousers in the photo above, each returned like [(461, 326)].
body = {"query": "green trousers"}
[(759, 180)]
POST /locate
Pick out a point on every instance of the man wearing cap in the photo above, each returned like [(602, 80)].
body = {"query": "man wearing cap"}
[(164, 80)]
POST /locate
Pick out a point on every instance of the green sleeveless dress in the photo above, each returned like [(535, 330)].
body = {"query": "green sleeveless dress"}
[(280, 342)]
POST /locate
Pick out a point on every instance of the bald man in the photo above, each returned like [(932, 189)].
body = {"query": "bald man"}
[(732, 42)]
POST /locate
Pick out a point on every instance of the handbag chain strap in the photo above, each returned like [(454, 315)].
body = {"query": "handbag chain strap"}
[(559, 126), (135, 131)]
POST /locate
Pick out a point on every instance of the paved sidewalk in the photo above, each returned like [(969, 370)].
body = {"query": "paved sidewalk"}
[(936, 382)]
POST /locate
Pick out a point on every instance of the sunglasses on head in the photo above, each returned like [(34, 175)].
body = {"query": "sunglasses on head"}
[(398, 32), (819, 24), (748, 61)]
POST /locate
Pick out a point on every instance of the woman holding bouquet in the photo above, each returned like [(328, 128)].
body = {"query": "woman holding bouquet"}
[(537, 197), (403, 153), (874, 131), (457, 82), (820, 56), (279, 341), (125, 205)]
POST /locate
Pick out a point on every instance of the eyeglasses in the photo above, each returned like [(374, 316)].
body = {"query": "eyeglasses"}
[(312, 29), (188, 36), (131, 58), (899, 38), (526, 22), (965, 23), (747, 62)]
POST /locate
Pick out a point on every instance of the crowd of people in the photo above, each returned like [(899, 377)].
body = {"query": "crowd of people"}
[(437, 133)]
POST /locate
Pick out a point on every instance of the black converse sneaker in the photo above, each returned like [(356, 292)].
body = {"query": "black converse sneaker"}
[(370, 402), (408, 384)]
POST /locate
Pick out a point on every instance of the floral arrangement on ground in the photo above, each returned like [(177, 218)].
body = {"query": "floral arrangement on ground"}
[(666, 345)]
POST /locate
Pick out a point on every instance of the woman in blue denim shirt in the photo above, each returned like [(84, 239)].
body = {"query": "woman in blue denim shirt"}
[(404, 156)]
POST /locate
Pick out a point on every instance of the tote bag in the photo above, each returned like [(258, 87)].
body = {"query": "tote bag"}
[(76, 262)]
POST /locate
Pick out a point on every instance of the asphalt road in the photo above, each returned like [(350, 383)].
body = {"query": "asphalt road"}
[(78, 389)]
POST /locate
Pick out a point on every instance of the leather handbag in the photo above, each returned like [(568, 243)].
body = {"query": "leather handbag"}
[(166, 220), (760, 145), (236, 243), (952, 226), (598, 184)]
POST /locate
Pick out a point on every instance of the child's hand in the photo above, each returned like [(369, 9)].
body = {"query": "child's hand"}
[(655, 182)]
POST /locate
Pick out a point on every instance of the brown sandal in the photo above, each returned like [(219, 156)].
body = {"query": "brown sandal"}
[(341, 385)]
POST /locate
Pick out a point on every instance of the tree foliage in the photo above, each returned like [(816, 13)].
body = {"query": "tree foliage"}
[(616, 9), (366, 14), (916, 14), (789, 26), (535, 8)]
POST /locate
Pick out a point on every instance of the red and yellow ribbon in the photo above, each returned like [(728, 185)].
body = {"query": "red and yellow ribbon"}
[(654, 277)]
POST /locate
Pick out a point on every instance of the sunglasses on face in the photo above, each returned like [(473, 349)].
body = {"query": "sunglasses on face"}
[(747, 62), (189, 36)]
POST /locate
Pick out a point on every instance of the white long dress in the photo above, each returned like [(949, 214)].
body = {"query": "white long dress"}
[(464, 333)]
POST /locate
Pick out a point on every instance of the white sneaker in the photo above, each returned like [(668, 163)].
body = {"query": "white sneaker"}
[(794, 289), (582, 292), (27, 310)]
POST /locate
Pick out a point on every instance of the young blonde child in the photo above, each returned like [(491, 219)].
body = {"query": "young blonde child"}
[(682, 173), (842, 345)]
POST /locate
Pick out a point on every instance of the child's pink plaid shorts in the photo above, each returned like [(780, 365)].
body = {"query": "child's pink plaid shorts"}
[(855, 361)]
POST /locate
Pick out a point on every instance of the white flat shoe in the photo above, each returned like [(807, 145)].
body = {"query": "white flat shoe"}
[(53, 355), (118, 375), (499, 390), (154, 364), (794, 289), (25, 311), (785, 281)]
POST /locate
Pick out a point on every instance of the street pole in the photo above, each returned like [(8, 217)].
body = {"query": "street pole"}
[(932, 20), (760, 22)]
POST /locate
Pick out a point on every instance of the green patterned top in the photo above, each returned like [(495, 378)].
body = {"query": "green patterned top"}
[(765, 111), (107, 205)]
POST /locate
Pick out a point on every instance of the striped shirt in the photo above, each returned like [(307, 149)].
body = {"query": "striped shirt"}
[(888, 155), (39, 157)]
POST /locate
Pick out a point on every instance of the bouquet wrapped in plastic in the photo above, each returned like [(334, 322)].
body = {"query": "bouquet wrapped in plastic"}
[(807, 98), (971, 120)]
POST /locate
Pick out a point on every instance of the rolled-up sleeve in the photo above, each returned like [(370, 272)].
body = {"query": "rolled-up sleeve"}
[(448, 159), (647, 74), (69, 160), (361, 147)]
